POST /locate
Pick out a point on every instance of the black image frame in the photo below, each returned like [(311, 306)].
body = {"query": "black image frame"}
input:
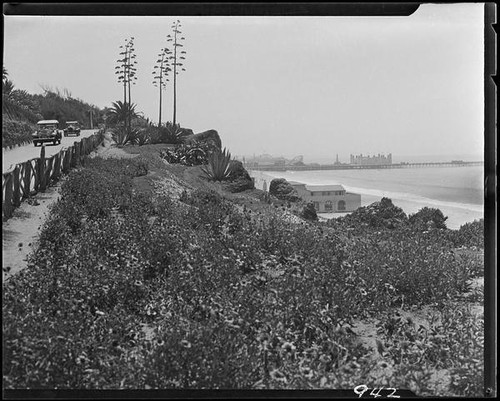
[(304, 9)]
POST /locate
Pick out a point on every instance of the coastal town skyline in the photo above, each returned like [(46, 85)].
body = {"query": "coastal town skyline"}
[(346, 158), (283, 85)]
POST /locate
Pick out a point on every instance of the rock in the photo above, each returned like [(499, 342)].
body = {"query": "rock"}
[(185, 132), (239, 179), (210, 136), (283, 190)]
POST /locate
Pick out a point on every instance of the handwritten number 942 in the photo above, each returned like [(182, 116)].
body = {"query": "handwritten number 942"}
[(362, 389)]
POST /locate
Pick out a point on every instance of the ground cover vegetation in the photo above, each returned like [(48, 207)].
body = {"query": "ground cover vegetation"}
[(129, 290)]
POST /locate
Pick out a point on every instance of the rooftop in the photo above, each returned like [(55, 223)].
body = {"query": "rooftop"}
[(331, 187), (316, 188)]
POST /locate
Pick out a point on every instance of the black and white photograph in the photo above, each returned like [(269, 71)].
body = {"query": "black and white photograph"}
[(254, 201)]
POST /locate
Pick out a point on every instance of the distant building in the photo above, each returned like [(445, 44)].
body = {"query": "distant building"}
[(328, 198), (371, 160), (267, 160)]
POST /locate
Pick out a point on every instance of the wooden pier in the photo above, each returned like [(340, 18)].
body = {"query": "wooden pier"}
[(309, 167)]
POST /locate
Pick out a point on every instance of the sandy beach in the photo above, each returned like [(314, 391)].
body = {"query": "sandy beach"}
[(457, 213)]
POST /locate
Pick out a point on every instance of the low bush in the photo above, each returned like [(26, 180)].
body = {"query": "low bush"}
[(281, 189), (469, 235), (309, 212), (417, 351), (427, 218), (374, 217), (188, 155), (16, 132)]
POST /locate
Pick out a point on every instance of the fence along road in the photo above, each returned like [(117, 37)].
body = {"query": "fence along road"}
[(20, 154), (34, 175)]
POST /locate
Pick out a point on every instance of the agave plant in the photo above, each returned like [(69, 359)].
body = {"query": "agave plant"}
[(142, 137), (122, 137), (219, 165)]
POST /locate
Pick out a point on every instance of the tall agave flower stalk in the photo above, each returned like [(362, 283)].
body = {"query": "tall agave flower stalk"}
[(219, 165), (160, 75), (176, 59), (126, 70)]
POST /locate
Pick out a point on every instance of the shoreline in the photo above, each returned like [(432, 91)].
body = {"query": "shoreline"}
[(458, 213)]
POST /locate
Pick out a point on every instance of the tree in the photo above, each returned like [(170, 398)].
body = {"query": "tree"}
[(160, 72), (7, 88), (176, 57), (126, 72), (120, 112)]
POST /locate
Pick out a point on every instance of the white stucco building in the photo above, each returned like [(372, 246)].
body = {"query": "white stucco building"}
[(328, 198)]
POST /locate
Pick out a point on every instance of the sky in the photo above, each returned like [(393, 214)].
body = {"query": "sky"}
[(286, 86)]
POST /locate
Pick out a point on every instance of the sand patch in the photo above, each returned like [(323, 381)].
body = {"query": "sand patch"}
[(20, 233), (109, 149)]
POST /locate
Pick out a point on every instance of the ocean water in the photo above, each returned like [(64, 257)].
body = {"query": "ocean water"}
[(457, 191)]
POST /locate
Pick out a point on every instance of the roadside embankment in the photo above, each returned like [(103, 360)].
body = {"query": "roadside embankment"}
[(149, 275)]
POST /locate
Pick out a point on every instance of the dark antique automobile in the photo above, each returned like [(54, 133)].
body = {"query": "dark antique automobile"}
[(47, 131), (72, 128)]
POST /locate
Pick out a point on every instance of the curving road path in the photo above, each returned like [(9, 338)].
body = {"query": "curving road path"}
[(23, 153)]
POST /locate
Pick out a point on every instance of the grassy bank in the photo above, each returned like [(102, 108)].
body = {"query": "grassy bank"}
[(132, 287)]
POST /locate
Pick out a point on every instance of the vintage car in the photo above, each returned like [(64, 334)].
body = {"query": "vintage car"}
[(72, 128), (47, 131)]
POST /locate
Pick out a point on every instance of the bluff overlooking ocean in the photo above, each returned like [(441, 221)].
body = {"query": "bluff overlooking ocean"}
[(456, 191)]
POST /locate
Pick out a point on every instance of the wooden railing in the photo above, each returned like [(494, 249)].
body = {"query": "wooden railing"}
[(35, 175)]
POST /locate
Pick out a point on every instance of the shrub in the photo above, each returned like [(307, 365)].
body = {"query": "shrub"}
[(163, 135), (469, 234), (309, 212), (454, 334), (188, 155), (382, 214), (281, 189), (428, 218), (16, 132)]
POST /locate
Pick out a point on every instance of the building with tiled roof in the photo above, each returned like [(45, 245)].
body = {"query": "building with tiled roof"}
[(328, 198)]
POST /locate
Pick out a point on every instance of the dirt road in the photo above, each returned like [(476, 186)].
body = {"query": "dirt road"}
[(23, 153)]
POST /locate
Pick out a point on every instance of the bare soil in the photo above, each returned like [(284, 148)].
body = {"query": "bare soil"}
[(20, 232)]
